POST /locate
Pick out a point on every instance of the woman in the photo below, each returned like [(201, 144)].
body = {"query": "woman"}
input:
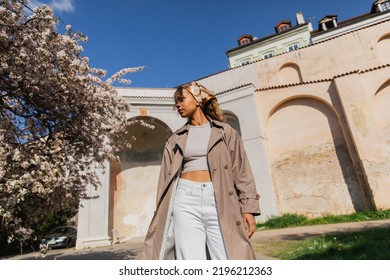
[(206, 197)]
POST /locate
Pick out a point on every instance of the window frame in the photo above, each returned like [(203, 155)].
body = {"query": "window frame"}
[(385, 6), (268, 55), (293, 47)]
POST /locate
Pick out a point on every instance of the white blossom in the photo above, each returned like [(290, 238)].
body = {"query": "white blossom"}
[(59, 119)]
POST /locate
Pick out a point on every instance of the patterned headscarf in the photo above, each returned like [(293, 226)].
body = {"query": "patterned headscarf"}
[(201, 94)]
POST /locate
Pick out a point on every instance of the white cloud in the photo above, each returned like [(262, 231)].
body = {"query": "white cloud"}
[(58, 5), (62, 5), (34, 3)]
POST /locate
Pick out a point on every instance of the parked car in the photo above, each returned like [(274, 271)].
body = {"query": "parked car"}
[(61, 237)]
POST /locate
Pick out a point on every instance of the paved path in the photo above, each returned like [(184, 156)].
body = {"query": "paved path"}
[(129, 250)]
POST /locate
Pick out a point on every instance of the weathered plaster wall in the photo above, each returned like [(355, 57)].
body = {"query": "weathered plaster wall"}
[(361, 95), (133, 180), (134, 198), (311, 167), (349, 73)]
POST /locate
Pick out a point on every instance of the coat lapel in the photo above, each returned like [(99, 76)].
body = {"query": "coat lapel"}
[(180, 145), (216, 134), (177, 158), (181, 141), (215, 137)]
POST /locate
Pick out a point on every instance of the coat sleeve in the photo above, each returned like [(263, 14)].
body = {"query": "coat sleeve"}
[(244, 180)]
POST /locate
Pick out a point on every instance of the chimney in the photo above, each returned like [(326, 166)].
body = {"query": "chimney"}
[(300, 18)]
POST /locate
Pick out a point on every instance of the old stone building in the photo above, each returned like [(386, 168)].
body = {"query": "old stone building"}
[(314, 122)]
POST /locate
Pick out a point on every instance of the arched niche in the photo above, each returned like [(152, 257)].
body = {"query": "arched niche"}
[(311, 166), (133, 180), (384, 48), (381, 111), (146, 136), (290, 73)]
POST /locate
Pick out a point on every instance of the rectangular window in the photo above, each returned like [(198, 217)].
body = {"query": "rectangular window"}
[(283, 28), (244, 42), (293, 47), (269, 54), (385, 6)]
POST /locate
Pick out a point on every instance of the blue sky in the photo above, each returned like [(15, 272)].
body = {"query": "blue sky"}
[(181, 40)]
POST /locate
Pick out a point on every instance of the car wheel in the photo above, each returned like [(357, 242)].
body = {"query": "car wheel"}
[(69, 243)]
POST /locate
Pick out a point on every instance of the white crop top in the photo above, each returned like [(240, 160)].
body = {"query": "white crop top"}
[(195, 154)]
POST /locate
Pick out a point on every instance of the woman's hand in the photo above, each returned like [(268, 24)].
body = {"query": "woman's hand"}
[(249, 223)]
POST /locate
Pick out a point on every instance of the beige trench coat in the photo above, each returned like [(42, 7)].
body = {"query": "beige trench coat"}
[(234, 187)]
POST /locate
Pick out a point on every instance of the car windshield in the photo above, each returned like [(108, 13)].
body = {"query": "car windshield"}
[(62, 230)]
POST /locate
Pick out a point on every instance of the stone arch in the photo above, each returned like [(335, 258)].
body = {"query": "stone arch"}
[(381, 111), (233, 120), (133, 180), (290, 73), (311, 167), (384, 48)]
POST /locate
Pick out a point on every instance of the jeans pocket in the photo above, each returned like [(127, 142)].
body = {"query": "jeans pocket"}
[(183, 190)]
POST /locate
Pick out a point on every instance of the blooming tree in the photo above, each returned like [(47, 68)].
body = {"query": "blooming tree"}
[(58, 119)]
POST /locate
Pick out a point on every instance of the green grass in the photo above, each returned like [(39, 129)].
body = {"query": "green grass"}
[(366, 244), (370, 244), (291, 220)]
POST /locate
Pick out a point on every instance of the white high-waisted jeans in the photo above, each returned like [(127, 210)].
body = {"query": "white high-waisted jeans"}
[(195, 222)]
